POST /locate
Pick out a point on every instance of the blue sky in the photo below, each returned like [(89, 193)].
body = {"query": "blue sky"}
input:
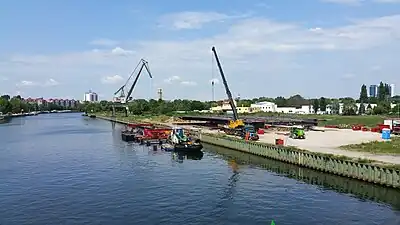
[(54, 48)]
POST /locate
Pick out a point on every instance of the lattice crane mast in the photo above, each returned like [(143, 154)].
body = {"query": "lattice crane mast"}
[(120, 96)]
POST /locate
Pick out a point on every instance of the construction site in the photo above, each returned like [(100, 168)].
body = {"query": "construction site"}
[(284, 131)]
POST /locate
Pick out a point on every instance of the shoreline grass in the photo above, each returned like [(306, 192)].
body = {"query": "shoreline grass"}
[(376, 147)]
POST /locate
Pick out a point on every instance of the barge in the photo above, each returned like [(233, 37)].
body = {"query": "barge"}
[(179, 142)]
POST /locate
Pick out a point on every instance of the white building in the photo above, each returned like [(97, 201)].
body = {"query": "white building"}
[(264, 107), (272, 107), (90, 97), (225, 106), (392, 93)]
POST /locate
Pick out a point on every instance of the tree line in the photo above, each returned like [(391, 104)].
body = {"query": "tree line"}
[(142, 106), (383, 100), (17, 104)]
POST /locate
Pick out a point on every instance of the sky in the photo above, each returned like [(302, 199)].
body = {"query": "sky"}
[(62, 49)]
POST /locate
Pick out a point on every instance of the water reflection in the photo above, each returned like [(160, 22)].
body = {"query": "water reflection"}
[(181, 156), (359, 189)]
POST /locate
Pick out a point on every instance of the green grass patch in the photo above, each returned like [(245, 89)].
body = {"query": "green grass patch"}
[(378, 147), (342, 121), (368, 121)]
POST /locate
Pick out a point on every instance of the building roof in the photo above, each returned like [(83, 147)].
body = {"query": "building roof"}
[(264, 103)]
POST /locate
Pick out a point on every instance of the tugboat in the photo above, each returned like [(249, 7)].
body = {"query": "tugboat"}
[(179, 142)]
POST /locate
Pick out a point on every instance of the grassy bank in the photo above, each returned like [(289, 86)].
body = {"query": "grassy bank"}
[(369, 121), (377, 147), (344, 121)]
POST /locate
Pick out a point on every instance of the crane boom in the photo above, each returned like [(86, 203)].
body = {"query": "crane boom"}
[(144, 65), (228, 92), (120, 89)]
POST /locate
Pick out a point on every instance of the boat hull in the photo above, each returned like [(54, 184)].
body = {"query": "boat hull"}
[(187, 148), (128, 137)]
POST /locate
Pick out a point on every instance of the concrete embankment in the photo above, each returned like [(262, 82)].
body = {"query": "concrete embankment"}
[(339, 165), (374, 172)]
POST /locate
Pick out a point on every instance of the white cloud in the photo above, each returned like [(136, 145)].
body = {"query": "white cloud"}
[(3, 78), (194, 20), (188, 83), (26, 83), (46, 83), (112, 79), (104, 42), (121, 52), (50, 82), (172, 79)]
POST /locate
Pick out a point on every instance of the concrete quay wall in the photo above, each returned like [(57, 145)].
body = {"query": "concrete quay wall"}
[(379, 174)]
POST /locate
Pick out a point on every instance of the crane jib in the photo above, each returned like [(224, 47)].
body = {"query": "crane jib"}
[(228, 92), (122, 98)]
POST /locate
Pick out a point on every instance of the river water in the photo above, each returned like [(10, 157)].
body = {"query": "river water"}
[(69, 169)]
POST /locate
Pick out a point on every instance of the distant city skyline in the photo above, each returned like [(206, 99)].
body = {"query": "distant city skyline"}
[(374, 90), (90, 96)]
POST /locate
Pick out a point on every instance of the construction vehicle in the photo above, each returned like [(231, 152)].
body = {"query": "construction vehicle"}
[(120, 99), (297, 133), (235, 126)]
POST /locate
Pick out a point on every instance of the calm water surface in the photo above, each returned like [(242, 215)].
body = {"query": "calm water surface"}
[(66, 169)]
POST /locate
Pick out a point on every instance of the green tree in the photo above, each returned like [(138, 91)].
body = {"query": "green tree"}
[(396, 110), (281, 101), (296, 101), (361, 110), (382, 92), (383, 107), (5, 105), (335, 106), (396, 99), (349, 107), (6, 97), (322, 104), (363, 94), (315, 105), (369, 109)]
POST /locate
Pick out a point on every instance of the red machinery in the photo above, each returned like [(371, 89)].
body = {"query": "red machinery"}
[(151, 133)]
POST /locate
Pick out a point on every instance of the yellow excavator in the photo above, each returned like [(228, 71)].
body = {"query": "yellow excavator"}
[(235, 126)]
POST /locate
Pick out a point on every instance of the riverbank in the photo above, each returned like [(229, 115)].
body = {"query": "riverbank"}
[(381, 169)]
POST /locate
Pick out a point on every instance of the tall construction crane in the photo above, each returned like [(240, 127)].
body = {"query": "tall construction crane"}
[(236, 126), (120, 99)]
